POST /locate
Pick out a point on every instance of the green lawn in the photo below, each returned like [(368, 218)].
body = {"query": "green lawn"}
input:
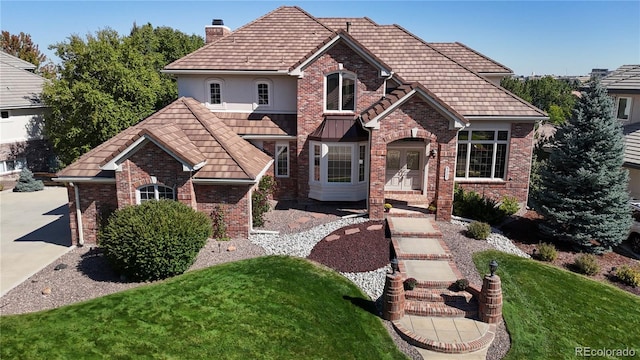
[(263, 308), (549, 312)]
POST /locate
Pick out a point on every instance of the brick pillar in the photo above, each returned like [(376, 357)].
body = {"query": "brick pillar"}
[(491, 300), (393, 305)]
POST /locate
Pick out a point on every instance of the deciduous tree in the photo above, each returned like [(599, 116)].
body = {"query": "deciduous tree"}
[(584, 198), (21, 46)]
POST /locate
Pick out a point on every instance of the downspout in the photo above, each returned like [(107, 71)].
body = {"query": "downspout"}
[(78, 215), (368, 130)]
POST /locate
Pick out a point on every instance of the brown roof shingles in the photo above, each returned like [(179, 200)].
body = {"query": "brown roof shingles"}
[(227, 155), (470, 58)]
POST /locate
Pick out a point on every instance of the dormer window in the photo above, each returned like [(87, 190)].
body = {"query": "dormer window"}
[(215, 88), (340, 92), (263, 93)]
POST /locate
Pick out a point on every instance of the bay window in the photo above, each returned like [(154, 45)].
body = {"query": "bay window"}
[(482, 154), (338, 171)]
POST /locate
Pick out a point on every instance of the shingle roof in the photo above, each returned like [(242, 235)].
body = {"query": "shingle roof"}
[(275, 41), (260, 124), (632, 144), (16, 62), (470, 58), (227, 155), (626, 77), (280, 39), (19, 88)]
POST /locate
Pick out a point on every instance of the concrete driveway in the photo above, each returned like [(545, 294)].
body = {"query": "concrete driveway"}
[(34, 231)]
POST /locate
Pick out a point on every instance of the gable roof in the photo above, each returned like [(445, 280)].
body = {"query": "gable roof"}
[(632, 145), (286, 36), (188, 131), (471, 58), (20, 88), (16, 61), (624, 78)]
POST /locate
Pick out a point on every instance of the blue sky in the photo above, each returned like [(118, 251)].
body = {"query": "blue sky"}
[(541, 37)]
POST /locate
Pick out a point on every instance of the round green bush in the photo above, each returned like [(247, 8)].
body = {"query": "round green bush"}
[(479, 230), (154, 240), (546, 252), (629, 275), (586, 264)]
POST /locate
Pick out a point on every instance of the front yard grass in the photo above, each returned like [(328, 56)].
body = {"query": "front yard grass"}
[(264, 308), (549, 312)]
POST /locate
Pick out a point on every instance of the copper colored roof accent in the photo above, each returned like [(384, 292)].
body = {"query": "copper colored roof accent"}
[(339, 128), (260, 124), (386, 102), (227, 155), (470, 58), (275, 41)]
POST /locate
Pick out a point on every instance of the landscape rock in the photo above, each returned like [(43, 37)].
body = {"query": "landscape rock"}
[(46, 291), (231, 248)]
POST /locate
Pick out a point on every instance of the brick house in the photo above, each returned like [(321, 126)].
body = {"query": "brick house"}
[(335, 109)]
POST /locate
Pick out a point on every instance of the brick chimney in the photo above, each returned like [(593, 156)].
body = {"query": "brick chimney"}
[(215, 31)]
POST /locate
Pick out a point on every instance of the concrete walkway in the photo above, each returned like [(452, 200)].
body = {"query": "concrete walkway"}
[(34, 231), (439, 322)]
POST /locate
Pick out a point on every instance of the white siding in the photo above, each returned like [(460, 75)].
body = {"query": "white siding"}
[(22, 124), (239, 92)]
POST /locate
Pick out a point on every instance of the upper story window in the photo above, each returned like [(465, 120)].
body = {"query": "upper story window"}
[(482, 154), (623, 108), (340, 92), (263, 93), (154, 192), (215, 89), (4, 114)]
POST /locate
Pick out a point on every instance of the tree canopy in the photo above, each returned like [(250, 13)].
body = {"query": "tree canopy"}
[(549, 94), (21, 46), (108, 82), (583, 197)]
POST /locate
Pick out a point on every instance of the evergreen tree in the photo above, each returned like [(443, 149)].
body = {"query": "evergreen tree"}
[(584, 198), (26, 182)]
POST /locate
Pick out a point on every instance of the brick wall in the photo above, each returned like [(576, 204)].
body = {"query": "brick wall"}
[(518, 168), (434, 129), (311, 99), (233, 200), (286, 187), (97, 201)]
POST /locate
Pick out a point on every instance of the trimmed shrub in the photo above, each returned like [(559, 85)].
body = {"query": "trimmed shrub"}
[(260, 199), (26, 182), (479, 230), (546, 252), (470, 204), (509, 205), (586, 264), (628, 275), (219, 224), (461, 284), (410, 283), (154, 240)]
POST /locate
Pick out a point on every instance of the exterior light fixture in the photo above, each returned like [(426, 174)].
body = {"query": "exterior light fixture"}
[(433, 153), (394, 265), (493, 266)]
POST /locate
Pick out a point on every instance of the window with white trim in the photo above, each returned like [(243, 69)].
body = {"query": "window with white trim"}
[(214, 89), (317, 156), (4, 114), (623, 108), (482, 154), (9, 166), (337, 163), (340, 91), (154, 192), (282, 160), (263, 93)]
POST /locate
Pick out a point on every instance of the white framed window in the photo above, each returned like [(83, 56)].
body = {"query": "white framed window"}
[(4, 114), (623, 108), (282, 160), (263, 92), (11, 166), (338, 163), (340, 92), (215, 93), (482, 154), (154, 192)]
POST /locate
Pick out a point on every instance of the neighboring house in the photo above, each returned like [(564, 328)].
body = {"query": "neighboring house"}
[(624, 86), (21, 118), (346, 109)]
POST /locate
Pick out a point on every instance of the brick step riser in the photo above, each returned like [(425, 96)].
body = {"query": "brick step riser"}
[(432, 285), (442, 312), (401, 256), (457, 299)]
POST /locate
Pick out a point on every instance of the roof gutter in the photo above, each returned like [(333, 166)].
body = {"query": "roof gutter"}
[(224, 72), (269, 137), (86, 179), (234, 181), (508, 118)]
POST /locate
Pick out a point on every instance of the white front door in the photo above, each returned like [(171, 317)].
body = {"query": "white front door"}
[(404, 169)]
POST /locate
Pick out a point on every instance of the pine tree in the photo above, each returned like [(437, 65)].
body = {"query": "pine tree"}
[(584, 198), (26, 182)]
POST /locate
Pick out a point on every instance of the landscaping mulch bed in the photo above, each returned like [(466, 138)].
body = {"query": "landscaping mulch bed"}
[(523, 231), (354, 251)]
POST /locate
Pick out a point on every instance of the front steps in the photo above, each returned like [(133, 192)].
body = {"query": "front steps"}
[(436, 319)]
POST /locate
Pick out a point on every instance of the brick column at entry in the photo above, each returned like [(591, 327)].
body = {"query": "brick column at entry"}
[(491, 300), (393, 305)]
